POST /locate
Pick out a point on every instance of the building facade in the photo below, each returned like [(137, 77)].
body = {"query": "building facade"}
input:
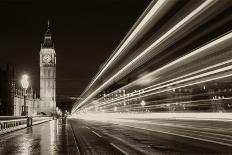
[(32, 102), (47, 74)]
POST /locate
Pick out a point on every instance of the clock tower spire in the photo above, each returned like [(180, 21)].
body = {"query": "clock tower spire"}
[(48, 74), (48, 41)]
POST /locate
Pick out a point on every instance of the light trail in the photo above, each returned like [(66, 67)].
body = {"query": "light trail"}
[(156, 10), (186, 20), (122, 116), (150, 92), (208, 47), (167, 87)]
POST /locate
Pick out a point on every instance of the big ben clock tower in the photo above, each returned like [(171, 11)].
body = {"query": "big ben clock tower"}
[(47, 74)]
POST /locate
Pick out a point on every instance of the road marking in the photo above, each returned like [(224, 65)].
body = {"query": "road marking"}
[(180, 135), (96, 134), (75, 140), (118, 148)]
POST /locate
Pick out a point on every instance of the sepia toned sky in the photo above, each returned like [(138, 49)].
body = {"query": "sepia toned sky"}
[(85, 33)]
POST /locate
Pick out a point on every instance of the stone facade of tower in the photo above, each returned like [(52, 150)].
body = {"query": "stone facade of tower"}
[(47, 74)]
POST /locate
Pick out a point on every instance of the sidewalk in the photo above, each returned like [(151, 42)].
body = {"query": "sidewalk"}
[(53, 137)]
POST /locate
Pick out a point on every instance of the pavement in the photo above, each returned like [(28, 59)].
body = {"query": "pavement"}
[(49, 138)]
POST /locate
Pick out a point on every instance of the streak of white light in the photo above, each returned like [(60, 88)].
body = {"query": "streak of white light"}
[(122, 117), (199, 71), (192, 78), (157, 7), (186, 57), (186, 75), (174, 29), (181, 81), (186, 102), (148, 89), (194, 83)]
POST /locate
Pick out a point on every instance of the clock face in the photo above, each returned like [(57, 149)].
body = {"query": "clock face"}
[(47, 58)]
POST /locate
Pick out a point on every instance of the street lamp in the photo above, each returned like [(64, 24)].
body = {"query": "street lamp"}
[(25, 84), (143, 103)]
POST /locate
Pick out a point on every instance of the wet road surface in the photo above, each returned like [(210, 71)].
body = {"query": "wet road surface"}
[(91, 143), (155, 136), (50, 138)]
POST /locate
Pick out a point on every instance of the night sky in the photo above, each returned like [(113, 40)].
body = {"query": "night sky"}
[(85, 33)]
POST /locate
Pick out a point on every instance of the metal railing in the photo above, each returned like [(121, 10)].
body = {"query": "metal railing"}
[(8, 124)]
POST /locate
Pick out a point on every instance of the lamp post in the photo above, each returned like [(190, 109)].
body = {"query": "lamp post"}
[(25, 84)]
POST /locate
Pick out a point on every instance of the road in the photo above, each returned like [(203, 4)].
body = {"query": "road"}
[(90, 142), (153, 136), (50, 138), (120, 136)]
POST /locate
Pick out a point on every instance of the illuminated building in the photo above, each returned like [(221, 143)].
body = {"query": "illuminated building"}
[(47, 74)]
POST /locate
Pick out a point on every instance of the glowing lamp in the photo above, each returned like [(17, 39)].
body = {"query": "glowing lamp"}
[(24, 81), (143, 103), (25, 84)]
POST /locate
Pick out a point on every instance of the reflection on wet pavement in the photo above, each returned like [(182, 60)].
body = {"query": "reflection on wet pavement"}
[(52, 137)]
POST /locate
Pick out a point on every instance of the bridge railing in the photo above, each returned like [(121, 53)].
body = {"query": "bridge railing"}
[(8, 124), (40, 119)]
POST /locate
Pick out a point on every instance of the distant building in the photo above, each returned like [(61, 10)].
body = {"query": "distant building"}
[(7, 87), (32, 102)]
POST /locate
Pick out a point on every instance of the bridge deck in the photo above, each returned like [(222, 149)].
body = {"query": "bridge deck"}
[(121, 136)]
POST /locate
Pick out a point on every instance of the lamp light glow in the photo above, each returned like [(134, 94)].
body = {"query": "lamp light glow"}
[(143, 103), (24, 81)]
